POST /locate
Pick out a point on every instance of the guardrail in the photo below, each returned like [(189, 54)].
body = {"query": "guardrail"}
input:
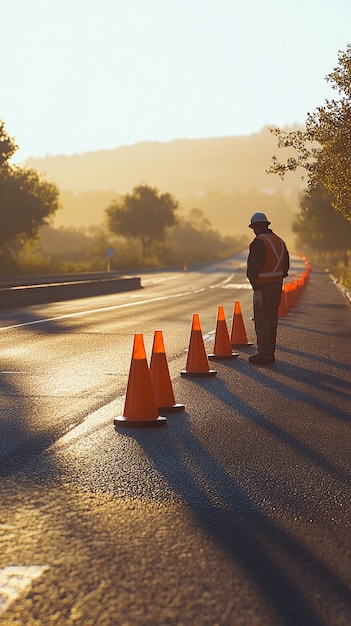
[(346, 292), (27, 291)]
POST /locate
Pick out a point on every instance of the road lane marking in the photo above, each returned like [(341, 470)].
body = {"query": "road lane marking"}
[(237, 286), (90, 424), (100, 310), (154, 281), (115, 306), (14, 579), (210, 336)]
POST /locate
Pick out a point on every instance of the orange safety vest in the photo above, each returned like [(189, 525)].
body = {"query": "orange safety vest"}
[(273, 268)]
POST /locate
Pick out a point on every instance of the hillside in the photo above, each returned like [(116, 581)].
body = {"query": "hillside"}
[(225, 177)]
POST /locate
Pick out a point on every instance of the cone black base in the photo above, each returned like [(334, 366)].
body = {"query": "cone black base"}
[(127, 422), (242, 345), (234, 355), (174, 408), (209, 373)]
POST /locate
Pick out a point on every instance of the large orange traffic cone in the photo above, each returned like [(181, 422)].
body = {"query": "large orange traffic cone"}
[(160, 378), (222, 346), (197, 362), (238, 334), (140, 407)]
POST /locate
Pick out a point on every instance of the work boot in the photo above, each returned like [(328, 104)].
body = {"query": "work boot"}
[(258, 359)]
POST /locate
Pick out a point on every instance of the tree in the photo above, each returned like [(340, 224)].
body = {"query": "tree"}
[(145, 214), (7, 146), (194, 239), (320, 227), (26, 200), (323, 149)]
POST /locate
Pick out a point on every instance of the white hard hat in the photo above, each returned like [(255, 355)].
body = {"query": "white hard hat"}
[(258, 217)]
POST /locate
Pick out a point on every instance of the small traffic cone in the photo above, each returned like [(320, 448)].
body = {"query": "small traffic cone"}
[(160, 378), (222, 346), (238, 334), (289, 296), (283, 306), (140, 407), (197, 362)]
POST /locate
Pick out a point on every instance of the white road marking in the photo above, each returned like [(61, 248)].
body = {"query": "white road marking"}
[(154, 281), (116, 306), (210, 335), (237, 286), (14, 579)]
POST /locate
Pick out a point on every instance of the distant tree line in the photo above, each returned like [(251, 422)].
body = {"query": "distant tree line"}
[(147, 227), (143, 228), (28, 244)]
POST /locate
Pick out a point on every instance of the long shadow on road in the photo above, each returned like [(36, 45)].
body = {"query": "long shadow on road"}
[(287, 572), (333, 386), (282, 568), (22, 436), (297, 587)]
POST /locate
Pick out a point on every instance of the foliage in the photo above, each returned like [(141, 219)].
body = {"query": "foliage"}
[(26, 200), (145, 214), (323, 150), (339, 271), (319, 226), (7, 146), (193, 239), (324, 234), (126, 252), (72, 245), (62, 250)]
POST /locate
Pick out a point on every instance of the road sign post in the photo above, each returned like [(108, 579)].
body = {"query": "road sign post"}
[(108, 255)]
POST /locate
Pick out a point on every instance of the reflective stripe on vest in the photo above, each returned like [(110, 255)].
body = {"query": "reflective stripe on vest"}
[(277, 269)]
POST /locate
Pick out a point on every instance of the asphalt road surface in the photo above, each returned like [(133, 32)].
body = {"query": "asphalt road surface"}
[(236, 512)]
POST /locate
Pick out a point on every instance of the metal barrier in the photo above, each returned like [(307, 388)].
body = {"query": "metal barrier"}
[(346, 292), (44, 289)]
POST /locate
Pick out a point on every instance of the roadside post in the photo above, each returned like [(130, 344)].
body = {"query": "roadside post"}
[(108, 255)]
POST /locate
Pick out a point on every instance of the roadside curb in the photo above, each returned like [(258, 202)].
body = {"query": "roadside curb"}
[(56, 289), (346, 292)]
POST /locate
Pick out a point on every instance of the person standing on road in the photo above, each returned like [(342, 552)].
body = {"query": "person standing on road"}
[(267, 265)]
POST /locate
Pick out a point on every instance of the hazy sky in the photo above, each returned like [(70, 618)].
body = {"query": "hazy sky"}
[(83, 75)]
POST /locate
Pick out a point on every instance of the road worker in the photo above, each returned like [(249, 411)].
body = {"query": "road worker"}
[(267, 266)]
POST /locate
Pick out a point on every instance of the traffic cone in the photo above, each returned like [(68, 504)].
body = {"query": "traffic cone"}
[(283, 306), (222, 346), (140, 407), (197, 362), (289, 296), (238, 334), (160, 378)]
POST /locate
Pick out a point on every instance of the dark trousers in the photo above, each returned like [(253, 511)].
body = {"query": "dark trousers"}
[(266, 318)]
